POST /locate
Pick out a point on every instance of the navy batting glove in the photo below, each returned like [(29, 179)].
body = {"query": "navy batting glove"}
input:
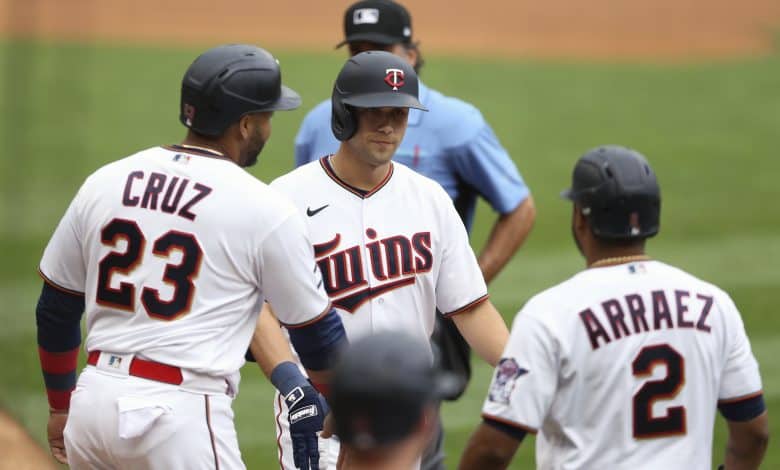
[(307, 416), (306, 413)]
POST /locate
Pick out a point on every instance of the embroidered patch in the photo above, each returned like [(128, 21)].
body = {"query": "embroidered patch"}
[(507, 373)]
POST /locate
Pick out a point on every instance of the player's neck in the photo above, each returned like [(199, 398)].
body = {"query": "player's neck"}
[(355, 172), (614, 256), (210, 145)]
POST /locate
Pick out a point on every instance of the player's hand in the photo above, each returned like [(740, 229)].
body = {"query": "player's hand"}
[(306, 416), (328, 429), (54, 429)]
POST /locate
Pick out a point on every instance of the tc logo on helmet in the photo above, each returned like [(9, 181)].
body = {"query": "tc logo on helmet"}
[(189, 114), (394, 78)]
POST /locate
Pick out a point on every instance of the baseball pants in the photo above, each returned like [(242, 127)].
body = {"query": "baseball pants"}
[(118, 421)]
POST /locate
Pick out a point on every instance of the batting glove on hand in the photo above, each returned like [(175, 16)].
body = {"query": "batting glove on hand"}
[(306, 416), (306, 413)]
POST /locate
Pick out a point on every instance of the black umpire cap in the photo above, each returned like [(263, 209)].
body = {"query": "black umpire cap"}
[(381, 386), (378, 21)]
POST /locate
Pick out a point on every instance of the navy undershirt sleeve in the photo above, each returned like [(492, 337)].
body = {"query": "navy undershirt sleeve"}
[(743, 410), (318, 343), (511, 431), (58, 316)]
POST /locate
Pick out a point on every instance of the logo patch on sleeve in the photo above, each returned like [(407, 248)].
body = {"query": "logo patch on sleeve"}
[(507, 373)]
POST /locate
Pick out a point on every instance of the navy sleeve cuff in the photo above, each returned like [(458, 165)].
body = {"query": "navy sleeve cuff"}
[(511, 431), (743, 410), (317, 343)]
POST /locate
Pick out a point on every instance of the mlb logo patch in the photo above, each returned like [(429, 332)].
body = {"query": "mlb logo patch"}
[(115, 362), (181, 158), (638, 268), (365, 16)]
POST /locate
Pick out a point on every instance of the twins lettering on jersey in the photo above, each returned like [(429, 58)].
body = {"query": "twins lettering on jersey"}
[(631, 315), (395, 261)]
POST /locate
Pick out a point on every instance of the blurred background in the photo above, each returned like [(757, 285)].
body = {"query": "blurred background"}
[(693, 84)]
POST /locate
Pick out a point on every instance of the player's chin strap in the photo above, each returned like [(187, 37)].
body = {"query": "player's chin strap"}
[(306, 413)]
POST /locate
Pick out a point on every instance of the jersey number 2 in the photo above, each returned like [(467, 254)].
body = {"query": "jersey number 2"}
[(179, 276), (673, 423)]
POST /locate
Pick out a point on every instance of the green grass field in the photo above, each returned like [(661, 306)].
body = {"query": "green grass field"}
[(710, 130)]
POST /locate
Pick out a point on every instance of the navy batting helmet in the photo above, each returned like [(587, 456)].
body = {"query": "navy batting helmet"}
[(373, 79), (227, 82), (380, 387), (618, 193)]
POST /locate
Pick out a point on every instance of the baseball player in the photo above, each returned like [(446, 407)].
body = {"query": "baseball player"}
[(388, 241), (451, 144), (171, 253), (623, 365), (384, 416)]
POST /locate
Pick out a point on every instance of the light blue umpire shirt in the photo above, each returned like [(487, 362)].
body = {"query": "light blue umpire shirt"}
[(451, 143)]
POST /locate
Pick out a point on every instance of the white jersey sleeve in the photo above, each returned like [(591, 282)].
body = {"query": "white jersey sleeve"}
[(63, 263), (290, 277), (525, 379), (740, 377), (460, 284)]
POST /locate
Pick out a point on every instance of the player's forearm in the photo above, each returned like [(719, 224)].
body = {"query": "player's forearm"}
[(508, 234), (484, 330), (269, 346), (487, 450), (747, 443)]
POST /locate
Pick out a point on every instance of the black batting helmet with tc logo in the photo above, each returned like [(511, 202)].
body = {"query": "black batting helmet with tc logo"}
[(373, 79)]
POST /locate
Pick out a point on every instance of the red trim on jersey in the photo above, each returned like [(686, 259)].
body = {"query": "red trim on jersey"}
[(279, 431), (325, 163), (57, 286), (58, 362), (309, 322), (729, 401), (147, 369), (200, 152), (466, 307), (513, 424), (211, 432)]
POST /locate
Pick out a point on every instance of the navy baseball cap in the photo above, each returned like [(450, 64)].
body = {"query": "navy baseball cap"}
[(379, 21), (381, 386)]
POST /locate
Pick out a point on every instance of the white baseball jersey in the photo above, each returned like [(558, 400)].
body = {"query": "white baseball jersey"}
[(391, 256), (622, 367), (175, 250)]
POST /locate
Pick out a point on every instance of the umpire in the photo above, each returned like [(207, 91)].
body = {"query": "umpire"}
[(384, 399)]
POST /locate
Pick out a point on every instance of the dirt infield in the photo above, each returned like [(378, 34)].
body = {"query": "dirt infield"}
[(657, 29), (19, 451)]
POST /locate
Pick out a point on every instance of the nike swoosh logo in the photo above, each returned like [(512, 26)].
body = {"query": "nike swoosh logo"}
[(312, 213)]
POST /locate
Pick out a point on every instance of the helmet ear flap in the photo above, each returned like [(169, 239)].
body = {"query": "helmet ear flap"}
[(342, 120)]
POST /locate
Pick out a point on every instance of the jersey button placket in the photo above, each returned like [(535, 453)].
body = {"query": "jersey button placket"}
[(367, 264)]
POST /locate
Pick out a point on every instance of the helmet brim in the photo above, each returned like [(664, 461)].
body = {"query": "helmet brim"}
[(384, 100), (289, 99), (568, 194)]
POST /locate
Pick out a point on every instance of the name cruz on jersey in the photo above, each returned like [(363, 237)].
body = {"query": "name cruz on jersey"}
[(396, 259), (170, 201)]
